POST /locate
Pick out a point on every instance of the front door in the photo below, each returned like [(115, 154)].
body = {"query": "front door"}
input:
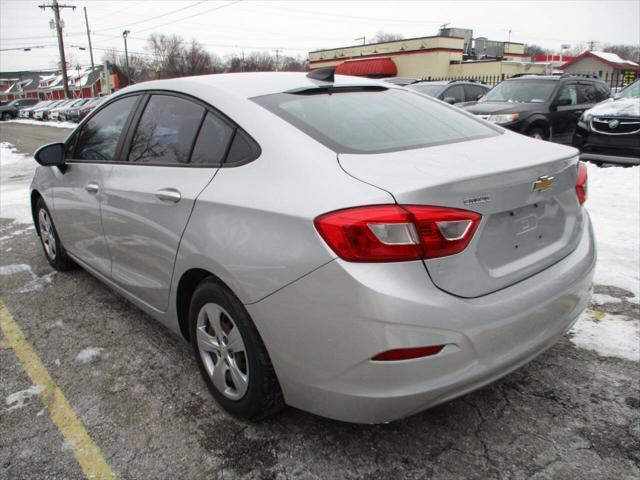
[(148, 199), (78, 192)]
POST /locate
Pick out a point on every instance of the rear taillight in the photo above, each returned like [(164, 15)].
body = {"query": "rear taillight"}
[(581, 183), (393, 233)]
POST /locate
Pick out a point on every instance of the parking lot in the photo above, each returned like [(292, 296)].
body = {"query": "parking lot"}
[(134, 388)]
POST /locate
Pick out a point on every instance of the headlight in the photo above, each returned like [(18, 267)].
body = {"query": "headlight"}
[(586, 117), (504, 117)]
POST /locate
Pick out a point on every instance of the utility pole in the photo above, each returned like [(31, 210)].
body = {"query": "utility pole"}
[(592, 43), (126, 55), (55, 6), (86, 21), (277, 50)]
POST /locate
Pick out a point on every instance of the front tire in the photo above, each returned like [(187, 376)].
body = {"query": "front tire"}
[(232, 359), (537, 133), (6, 116), (53, 250)]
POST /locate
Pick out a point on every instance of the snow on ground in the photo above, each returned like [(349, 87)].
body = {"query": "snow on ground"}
[(54, 124), (16, 172), (88, 354), (608, 335), (18, 399), (614, 206)]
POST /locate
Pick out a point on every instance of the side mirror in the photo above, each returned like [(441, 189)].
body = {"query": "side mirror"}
[(450, 100), (563, 102), (51, 155), (617, 96), (480, 96)]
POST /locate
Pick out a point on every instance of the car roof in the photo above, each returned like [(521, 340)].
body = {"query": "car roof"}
[(249, 85)]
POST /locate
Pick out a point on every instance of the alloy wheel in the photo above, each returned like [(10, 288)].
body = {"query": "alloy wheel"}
[(222, 351), (46, 234)]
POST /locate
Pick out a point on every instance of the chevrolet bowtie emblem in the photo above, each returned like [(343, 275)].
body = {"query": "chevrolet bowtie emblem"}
[(543, 183)]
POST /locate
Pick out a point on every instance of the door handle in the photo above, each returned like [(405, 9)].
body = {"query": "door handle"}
[(169, 195), (92, 187)]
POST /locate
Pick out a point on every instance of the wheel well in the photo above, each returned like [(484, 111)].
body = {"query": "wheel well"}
[(35, 196), (186, 287), (542, 125)]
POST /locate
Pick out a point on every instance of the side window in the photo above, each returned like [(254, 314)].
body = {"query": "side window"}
[(456, 92), (243, 149), (166, 131), (212, 142), (99, 137), (587, 93), (603, 92), (570, 91), (473, 92)]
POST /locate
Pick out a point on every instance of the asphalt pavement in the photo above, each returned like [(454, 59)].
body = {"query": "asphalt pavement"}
[(137, 394)]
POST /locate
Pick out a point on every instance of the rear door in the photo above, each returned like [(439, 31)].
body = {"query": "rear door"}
[(175, 151), (565, 117)]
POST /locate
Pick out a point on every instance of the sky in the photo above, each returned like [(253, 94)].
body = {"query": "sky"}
[(294, 28)]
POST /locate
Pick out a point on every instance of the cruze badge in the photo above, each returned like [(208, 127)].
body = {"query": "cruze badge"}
[(543, 183)]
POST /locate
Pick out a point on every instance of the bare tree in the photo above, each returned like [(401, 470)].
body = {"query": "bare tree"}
[(195, 60), (139, 68), (381, 36), (293, 64), (531, 50), (259, 62), (166, 52)]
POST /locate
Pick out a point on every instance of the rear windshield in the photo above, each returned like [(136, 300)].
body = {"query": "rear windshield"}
[(425, 88), (374, 121)]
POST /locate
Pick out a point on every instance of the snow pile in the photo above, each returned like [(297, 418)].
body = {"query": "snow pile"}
[(31, 121), (614, 206), (608, 335), (16, 172)]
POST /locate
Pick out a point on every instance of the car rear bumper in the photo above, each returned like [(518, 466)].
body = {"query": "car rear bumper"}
[(322, 331)]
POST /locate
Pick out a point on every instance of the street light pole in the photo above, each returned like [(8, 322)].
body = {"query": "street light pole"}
[(126, 54)]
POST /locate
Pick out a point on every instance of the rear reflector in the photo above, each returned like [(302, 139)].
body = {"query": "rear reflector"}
[(396, 233), (581, 183), (408, 353)]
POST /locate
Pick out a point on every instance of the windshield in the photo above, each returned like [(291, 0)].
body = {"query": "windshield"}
[(632, 91), (427, 89), (522, 91), (374, 121)]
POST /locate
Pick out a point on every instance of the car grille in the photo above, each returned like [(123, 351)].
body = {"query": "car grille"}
[(615, 125)]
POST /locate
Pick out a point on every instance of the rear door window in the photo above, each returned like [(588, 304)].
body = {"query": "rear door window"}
[(569, 91), (166, 131), (376, 120), (472, 92), (213, 141), (99, 137)]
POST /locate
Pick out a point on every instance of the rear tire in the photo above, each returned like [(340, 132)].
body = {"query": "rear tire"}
[(232, 359), (536, 133), (6, 116), (53, 250)]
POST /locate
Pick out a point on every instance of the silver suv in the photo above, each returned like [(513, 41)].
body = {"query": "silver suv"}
[(340, 245)]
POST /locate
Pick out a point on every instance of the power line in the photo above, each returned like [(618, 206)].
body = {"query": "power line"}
[(190, 16), (152, 18)]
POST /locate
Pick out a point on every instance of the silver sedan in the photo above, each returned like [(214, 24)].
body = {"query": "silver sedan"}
[(337, 244)]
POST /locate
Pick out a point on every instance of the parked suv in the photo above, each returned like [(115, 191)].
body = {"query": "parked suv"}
[(11, 110), (456, 92), (610, 131), (541, 106)]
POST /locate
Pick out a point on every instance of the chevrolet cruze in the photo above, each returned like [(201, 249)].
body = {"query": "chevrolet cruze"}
[(337, 244)]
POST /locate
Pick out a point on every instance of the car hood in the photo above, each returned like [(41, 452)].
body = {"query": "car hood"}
[(484, 108), (624, 107)]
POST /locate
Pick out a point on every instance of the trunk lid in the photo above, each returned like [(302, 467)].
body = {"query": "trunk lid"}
[(523, 230)]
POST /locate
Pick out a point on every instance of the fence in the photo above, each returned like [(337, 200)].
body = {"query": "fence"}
[(615, 80)]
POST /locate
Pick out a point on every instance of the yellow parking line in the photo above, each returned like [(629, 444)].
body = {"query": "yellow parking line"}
[(85, 450)]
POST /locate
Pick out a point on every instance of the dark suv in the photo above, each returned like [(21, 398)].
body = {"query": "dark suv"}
[(610, 131), (542, 106), (11, 109), (456, 92)]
